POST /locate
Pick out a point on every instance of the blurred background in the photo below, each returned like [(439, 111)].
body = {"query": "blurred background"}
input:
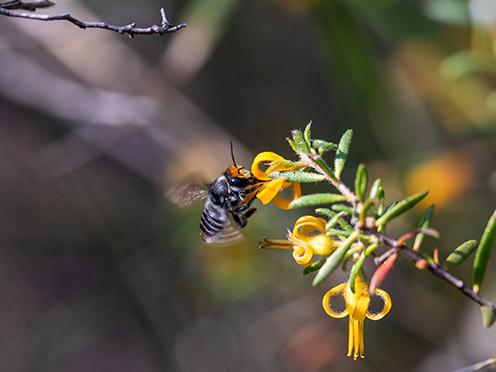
[(98, 272)]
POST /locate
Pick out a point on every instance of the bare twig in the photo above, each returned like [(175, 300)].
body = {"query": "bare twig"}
[(434, 268), (130, 29), (31, 6)]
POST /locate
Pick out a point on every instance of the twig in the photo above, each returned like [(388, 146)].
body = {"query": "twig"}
[(130, 29), (434, 268), (31, 6)]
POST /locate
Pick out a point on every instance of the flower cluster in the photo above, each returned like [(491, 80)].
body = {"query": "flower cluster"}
[(316, 243)]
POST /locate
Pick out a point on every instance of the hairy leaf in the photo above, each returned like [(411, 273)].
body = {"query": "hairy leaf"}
[(317, 199), (342, 153), (297, 176)]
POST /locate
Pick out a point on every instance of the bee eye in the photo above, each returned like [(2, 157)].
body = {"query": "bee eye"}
[(239, 182)]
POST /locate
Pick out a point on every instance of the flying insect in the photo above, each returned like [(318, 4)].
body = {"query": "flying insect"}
[(234, 193)]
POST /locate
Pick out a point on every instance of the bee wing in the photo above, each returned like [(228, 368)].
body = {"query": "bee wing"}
[(229, 236), (186, 191)]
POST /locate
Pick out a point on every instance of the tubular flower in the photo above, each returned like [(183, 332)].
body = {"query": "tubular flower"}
[(357, 305), (307, 239), (270, 190)]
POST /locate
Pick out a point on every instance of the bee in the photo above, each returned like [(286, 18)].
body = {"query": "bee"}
[(233, 193)]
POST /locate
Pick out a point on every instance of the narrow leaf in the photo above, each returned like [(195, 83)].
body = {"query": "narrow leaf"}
[(335, 259), (375, 188), (423, 224), (380, 196), (320, 144), (460, 254), (302, 145), (484, 252), (333, 214), (314, 267), (293, 145), (342, 153), (355, 270), (316, 199), (334, 220), (342, 208), (287, 163), (401, 207), (307, 133), (297, 176), (361, 181)]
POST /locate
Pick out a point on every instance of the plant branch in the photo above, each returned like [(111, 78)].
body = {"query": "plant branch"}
[(322, 167), (434, 268), (31, 6), (131, 29)]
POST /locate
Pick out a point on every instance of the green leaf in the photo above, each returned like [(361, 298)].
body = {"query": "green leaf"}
[(301, 143), (484, 252), (293, 145), (333, 214), (307, 133), (355, 270), (424, 223), (401, 207), (314, 267), (335, 259), (371, 248), (334, 220), (324, 145), (361, 181), (488, 316), (460, 254), (342, 208), (317, 199), (380, 196), (342, 153), (297, 176), (375, 188), (287, 163)]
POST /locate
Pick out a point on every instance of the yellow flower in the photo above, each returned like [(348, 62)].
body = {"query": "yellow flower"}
[(357, 305), (270, 190), (307, 239)]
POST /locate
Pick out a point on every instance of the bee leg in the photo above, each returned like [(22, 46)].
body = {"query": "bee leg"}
[(240, 220), (249, 212)]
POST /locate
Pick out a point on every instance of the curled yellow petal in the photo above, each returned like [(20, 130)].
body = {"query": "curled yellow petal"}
[(327, 302), (270, 190), (305, 225), (387, 305), (264, 157), (302, 254), (283, 203)]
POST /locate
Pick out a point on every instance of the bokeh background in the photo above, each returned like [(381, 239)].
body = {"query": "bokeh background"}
[(98, 272)]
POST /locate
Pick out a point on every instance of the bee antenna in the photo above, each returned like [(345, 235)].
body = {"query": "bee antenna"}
[(232, 154)]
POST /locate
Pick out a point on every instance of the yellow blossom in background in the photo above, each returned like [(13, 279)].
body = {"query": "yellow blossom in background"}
[(357, 305), (447, 176), (270, 190)]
